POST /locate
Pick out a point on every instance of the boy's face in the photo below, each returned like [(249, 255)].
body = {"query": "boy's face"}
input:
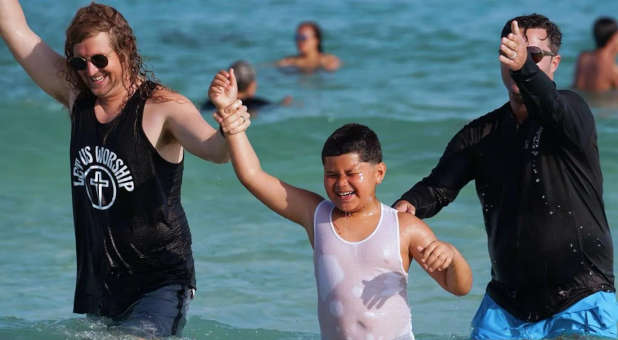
[(351, 184)]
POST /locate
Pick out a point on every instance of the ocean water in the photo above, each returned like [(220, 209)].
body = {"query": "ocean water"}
[(413, 71)]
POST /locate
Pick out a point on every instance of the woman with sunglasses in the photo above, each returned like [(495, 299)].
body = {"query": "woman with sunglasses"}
[(311, 56), (128, 135)]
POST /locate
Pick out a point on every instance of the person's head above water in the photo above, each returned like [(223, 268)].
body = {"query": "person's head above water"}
[(353, 167), (537, 21), (310, 54), (543, 40), (89, 22), (353, 138), (245, 78), (604, 28), (308, 37)]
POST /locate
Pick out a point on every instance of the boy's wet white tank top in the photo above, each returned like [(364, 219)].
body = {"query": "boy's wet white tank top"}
[(361, 285)]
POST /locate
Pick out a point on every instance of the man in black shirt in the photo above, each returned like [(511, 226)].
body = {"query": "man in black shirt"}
[(535, 164)]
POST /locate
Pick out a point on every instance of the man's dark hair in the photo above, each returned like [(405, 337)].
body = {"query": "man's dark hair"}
[(535, 20), (604, 28), (353, 138)]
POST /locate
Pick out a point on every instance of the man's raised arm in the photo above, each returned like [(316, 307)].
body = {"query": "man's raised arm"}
[(43, 65)]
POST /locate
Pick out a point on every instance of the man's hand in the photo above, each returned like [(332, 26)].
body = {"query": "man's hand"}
[(437, 255), (513, 52), (233, 119), (405, 207), (223, 89)]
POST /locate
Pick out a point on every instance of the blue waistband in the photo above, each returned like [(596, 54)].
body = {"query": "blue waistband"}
[(595, 315)]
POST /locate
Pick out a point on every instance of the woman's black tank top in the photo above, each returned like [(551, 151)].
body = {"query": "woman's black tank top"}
[(131, 231)]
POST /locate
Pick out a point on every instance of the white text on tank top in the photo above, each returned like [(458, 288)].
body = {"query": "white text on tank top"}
[(362, 287), (102, 173)]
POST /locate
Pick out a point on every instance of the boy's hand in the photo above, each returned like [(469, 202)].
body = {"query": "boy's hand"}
[(437, 255), (223, 89), (233, 119)]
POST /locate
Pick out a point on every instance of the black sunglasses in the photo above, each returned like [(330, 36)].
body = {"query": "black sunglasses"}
[(80, 63), (300, 37), (538, 54)]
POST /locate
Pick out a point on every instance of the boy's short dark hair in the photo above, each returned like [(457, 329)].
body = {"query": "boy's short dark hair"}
[(535, 20), (354, 138), (604, 28)]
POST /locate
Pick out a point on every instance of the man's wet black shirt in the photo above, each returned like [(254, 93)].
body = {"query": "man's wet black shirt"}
[(540, 187)]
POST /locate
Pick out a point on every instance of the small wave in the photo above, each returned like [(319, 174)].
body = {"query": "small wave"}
[(85, 328), (197, 328)]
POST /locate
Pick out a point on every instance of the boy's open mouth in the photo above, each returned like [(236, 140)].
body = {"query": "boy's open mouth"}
[(345, 194)]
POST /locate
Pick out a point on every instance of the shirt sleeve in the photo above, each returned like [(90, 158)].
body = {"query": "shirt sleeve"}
[(454, 170), (565, 112)]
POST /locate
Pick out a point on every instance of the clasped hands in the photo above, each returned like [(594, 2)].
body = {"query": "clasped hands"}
[(231, 115)]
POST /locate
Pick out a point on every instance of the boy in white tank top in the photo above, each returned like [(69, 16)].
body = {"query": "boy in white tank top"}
[(362, 248)]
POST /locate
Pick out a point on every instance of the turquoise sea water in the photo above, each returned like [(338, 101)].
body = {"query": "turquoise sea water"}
[(413, 71)]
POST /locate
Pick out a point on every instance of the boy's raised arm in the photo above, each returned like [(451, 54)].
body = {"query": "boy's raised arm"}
[(441, 260), (290, 202)]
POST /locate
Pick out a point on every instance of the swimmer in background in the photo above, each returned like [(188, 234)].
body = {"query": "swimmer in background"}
[(362, 248), (596, 71), (247, 87), (311, 56)]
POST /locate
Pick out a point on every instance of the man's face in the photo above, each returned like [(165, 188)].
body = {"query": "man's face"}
[(535, 37), (105, 81)]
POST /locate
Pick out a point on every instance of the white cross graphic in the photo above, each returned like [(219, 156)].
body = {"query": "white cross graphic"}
[(99, 183)]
